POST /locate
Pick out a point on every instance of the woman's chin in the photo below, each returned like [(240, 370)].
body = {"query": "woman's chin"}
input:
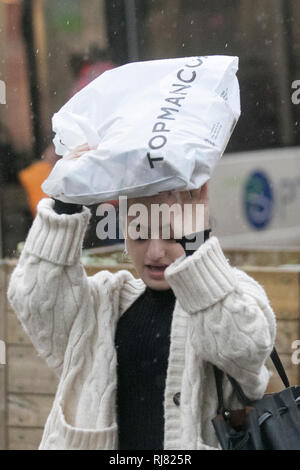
[(157, 284)]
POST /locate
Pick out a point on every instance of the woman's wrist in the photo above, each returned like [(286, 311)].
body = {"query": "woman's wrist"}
[(195, 239), (61, 207)]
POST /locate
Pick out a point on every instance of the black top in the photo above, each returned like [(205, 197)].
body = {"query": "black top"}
[(142, 342)]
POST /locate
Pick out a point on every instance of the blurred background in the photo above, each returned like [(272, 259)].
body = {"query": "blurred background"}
[(49, 49)]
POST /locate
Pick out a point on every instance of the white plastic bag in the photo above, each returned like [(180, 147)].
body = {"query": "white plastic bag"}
[(155, 126)]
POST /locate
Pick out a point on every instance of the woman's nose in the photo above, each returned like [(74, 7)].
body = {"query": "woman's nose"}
[(155, 249)]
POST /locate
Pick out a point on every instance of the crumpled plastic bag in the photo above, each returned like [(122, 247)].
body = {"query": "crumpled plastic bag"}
[(152, 126)]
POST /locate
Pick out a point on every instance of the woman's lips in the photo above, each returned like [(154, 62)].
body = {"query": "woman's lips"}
[(156, 271)]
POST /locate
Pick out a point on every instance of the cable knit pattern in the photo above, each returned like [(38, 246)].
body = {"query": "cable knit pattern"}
[(233, 325), (221, 316)]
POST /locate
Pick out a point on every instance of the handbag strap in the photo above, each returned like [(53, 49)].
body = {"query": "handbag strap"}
[(236, 386), (219, 379), (279, 367)]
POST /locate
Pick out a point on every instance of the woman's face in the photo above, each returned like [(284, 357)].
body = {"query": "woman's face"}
[(151, 256)]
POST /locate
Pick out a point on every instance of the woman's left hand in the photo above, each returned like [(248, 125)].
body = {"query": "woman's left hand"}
[(194, 216)]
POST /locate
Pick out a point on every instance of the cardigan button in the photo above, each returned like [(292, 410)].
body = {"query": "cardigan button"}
[(176, 398)]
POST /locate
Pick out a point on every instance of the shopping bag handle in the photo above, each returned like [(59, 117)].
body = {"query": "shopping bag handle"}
[(236, 386)]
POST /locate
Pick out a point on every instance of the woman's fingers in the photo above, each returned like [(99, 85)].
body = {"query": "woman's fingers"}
[(78, 151), (194, 214), (200, 195), (193, 196)]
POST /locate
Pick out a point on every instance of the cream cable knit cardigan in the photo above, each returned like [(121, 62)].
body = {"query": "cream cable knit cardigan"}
[(221, 316)]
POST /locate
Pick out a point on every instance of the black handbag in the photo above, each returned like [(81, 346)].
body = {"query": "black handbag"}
[(271, 423)]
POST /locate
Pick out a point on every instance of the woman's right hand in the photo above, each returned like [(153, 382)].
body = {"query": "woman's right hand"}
[(78, 151), (66, 207)]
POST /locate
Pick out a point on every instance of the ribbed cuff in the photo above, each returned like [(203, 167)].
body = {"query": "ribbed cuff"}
[(202, 279), (55, 237)]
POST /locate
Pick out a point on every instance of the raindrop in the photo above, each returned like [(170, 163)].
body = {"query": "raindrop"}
[(260, 17), (68, 21), (192, 22), (226, 45), (183, 44)]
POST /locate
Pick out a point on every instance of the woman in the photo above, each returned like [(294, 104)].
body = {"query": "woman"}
[(135, 356)]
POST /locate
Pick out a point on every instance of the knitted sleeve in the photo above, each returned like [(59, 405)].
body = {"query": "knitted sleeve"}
[(232, 323), (49, 286)]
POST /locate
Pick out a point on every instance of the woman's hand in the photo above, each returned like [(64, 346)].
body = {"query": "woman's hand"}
[(194, 214), (78, 151), (67, 207)]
